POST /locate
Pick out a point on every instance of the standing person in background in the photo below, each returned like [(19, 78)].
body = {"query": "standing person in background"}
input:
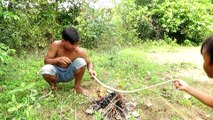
[(66, 61), (207, 53)]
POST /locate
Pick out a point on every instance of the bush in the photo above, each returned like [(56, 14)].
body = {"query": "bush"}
[(92, 24), (5, 57), (39, 24), (114, 26), (182, 19)]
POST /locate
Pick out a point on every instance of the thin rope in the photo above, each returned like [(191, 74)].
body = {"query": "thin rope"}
[(131, 91)]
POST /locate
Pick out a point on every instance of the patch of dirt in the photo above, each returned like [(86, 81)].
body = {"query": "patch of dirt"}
[(185, 55)]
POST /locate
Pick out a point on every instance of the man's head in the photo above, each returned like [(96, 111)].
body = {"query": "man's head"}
[(70, 34), (207, 52), (70, 38)]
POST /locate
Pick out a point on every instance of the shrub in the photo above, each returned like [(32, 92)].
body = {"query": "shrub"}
[(5, 57), (39, 24), (182, 19), (92, 24)]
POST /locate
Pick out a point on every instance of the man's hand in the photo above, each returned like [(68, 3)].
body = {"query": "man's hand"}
[(180, 84), (92, 73), (64, 60)]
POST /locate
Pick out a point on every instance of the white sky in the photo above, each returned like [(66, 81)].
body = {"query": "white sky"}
[(103, 3), (97, 5)]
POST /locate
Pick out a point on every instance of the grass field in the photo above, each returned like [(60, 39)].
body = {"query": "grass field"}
[(25, 95)]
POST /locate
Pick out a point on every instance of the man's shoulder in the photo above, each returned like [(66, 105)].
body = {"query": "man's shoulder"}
[(56, 43), (81, 50)]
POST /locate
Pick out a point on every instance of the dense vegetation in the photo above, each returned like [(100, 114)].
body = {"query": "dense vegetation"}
[(30, 26)]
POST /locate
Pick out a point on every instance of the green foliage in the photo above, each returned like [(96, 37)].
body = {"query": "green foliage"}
[(25, 107), (98, 116), (92, 24), (7, 15), (27, 32), (35, 24), (143, 2), (116, 26), (126, 20), (40, 23), (187, 42), (5, 57), (183, 19), (185, 102), (131, 22)]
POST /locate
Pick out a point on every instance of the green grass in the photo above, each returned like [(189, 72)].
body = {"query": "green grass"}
[(23, 88)]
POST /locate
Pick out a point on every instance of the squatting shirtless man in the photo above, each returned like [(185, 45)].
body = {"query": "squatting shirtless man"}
[(66, 61)]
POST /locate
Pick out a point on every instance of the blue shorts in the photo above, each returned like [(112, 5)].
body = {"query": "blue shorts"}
[(64, 75)]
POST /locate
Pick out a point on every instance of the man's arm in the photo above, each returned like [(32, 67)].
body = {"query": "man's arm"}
[(51, 55), (50, 58), (203, 97), (89, 64)]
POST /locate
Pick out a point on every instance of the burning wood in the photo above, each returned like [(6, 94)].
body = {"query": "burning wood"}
[(111, 106)]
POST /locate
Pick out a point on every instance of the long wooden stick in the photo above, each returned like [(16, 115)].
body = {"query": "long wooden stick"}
[(131, 91)]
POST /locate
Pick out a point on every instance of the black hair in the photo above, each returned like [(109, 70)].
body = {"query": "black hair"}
[(70, 34), (208, 45)]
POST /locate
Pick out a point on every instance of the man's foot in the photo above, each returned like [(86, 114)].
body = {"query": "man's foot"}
[(54, 90), (80, 90), (54, 87)]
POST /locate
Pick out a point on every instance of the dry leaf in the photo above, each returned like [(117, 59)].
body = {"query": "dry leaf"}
[(101, 92), (135, 114), (187, 96), (90, 110), (148, 103)]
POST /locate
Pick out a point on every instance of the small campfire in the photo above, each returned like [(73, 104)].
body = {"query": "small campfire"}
[(112, 107)]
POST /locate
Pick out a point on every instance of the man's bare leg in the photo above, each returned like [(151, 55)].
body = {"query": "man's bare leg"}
[(52, 81), (78, 77)]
